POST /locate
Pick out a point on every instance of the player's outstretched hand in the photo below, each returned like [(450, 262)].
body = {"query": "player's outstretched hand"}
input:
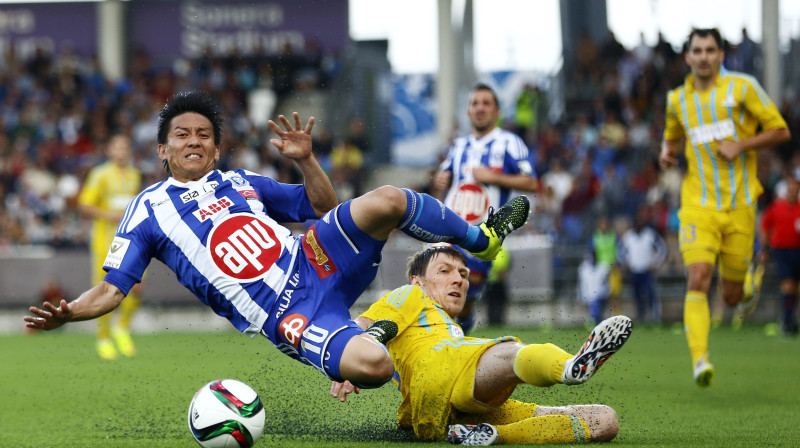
[(48, 317), (294, 142), (341, 390)]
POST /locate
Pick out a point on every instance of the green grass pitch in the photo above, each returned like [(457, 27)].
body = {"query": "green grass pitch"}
[(58, 393)]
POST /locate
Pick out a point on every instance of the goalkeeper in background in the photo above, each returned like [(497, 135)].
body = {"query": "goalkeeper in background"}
[(107, 190), (458, 387)]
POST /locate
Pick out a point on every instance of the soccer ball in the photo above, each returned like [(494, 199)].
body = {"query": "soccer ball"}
[(226, 414)]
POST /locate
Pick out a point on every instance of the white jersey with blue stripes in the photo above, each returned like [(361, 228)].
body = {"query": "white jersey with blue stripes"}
[(220, 235), (499, 150)]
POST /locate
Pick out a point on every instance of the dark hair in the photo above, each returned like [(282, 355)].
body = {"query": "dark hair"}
[(705, 32), (194, 101), (418, 263), (488, 88)]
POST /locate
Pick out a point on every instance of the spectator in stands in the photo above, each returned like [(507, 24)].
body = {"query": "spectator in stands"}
[(604, 244), (641, 252), (593, 285)]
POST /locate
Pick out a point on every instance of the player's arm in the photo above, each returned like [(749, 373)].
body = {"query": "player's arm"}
[(98, 213), (729, 149), (669, 153), (295, 143), (774, 128), (520, 182), (93, 303)]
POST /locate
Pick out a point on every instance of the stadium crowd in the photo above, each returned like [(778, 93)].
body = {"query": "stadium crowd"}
[(57, 112)]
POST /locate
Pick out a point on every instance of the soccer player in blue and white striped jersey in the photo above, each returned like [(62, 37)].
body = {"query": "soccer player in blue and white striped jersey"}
[(220, 233), (483, 169)]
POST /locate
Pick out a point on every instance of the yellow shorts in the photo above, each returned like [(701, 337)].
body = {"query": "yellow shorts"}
[(708, 236), (440, 386)]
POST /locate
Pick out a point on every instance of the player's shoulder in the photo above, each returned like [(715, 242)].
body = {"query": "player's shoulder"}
[(739, 77), (399, 295)]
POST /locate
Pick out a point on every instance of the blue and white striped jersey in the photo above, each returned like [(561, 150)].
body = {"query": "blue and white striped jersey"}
[(220, 235), (501, 151)]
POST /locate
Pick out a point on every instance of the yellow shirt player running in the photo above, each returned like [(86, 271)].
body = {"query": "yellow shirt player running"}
[(107, 190), (458, 387), (720, 117)]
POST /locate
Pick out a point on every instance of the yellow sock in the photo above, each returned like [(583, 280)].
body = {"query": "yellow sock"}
[(545, 429), (104, 326), (540, 364), (697, 323), (127, 308)]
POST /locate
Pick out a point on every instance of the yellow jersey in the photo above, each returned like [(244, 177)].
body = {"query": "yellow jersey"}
[(109, 188), (733, 109), (430, 352)]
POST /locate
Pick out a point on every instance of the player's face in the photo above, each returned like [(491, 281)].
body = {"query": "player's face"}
[(446, 282), (483, 111), (190, 151), (119, 149), (704, 57)]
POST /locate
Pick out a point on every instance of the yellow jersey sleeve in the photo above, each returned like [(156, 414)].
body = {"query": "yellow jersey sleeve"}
[(759, 104), (402, 306), (673, 130)]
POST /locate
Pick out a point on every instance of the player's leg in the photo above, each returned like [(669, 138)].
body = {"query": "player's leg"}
[(519, 423), (366, 362), (700, 239), (121, 332), (423, 217)]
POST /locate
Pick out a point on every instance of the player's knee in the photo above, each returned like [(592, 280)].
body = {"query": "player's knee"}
[(374, 369), (605, 426), (388, 200)]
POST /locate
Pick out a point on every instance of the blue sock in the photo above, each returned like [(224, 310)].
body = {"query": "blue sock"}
[(428, 220)]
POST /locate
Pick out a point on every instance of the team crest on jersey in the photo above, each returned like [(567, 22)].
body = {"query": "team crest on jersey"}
[(317, 254), (212, 209), (244, 247), (199, 191), (471, 202), (116, 252), (292, 327), (239, 181)]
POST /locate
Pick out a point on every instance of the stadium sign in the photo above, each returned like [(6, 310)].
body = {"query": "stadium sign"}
[(193, 28), (51, 27)]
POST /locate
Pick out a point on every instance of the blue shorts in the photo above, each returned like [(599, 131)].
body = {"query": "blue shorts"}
[(336, 264), (787, 263)]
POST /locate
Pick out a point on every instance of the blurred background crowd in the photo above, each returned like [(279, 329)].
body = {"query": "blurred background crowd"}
[(596, 159)]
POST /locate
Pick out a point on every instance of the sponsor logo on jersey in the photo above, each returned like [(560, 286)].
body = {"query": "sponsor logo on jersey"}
[(317, 255), (212, 209), (244, 247), (249, 194), (711, 132), (291, 328), (471, 202), (286, 296), (199, 191), (116, 252)]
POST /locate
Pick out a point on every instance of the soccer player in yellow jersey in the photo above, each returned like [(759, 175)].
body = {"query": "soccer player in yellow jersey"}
[(107, 190), (458, 387), (719, 117)]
